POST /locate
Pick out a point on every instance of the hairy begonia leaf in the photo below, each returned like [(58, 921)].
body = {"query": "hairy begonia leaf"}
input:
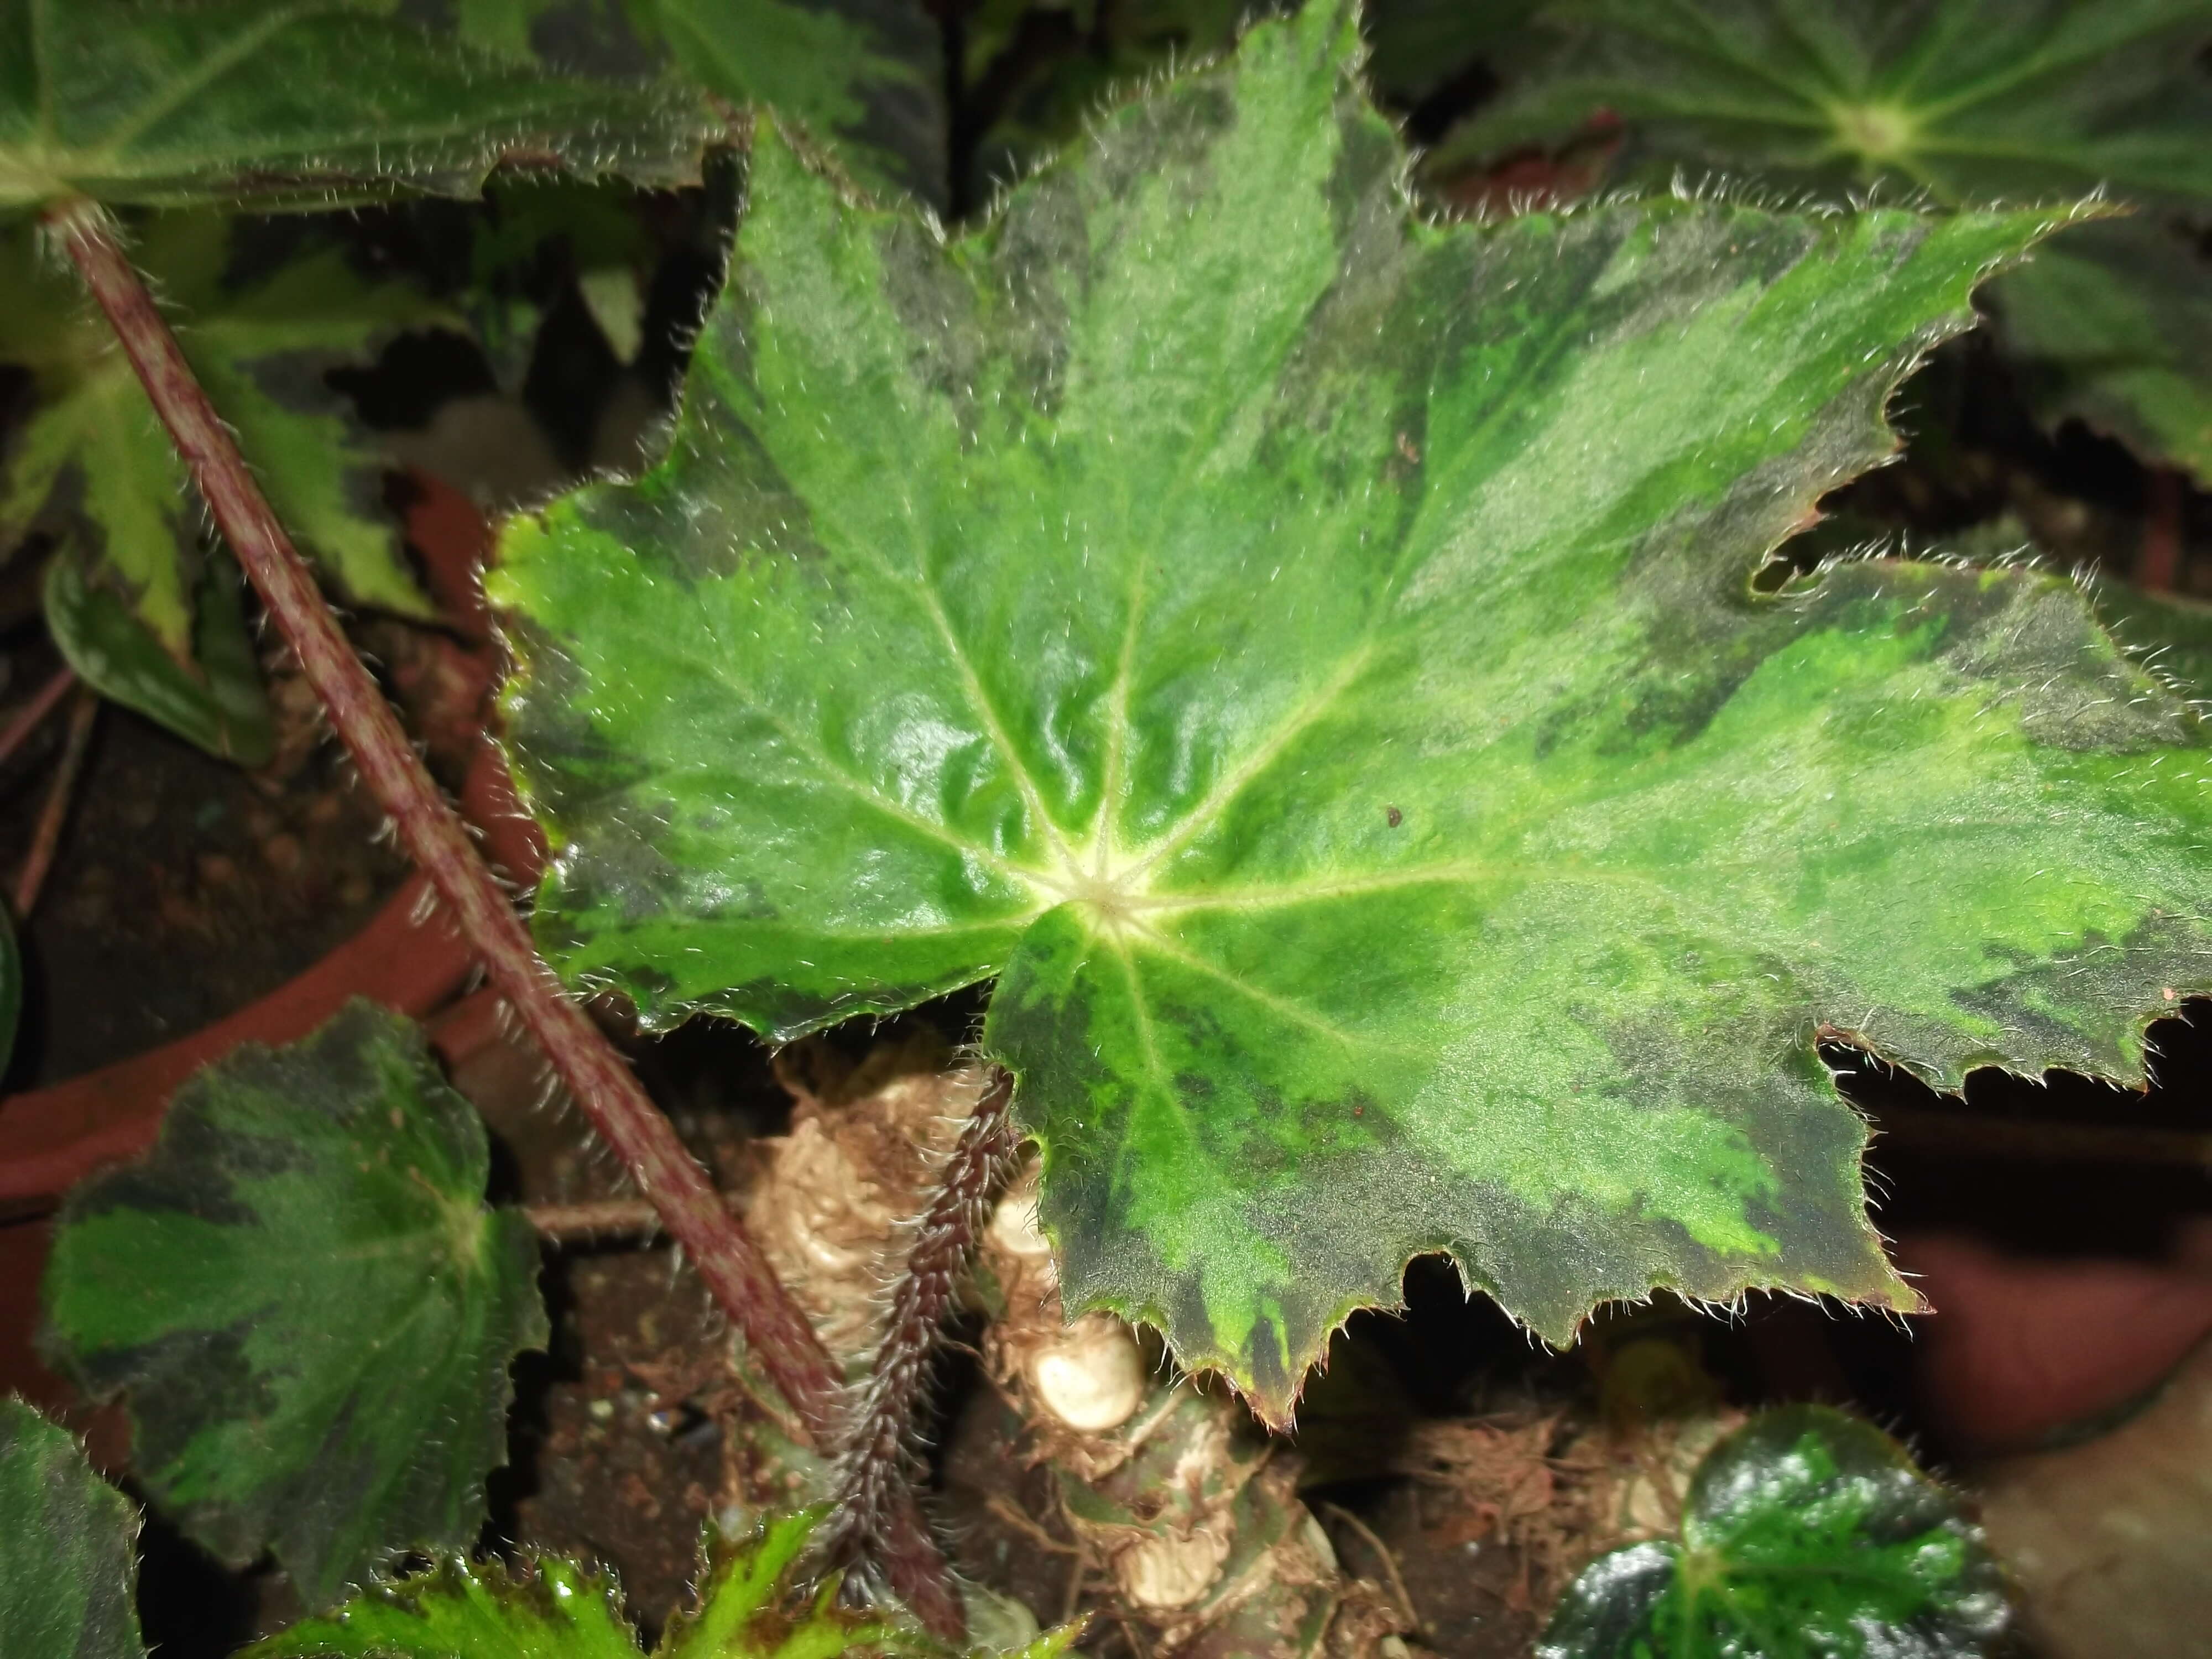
[(865, 75), (92, 465), (2112, 323), (1807, 1532), (748, 1606), (281, 103), (214, 698), (1309, 656), (68, 1555), (307, 1302), (1967, 101)]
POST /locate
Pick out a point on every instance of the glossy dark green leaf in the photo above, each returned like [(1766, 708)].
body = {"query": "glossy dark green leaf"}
[(67, 1559), (1808, 1534), (1309, 656), (865, 76), (307, 1305), (1965, 100), (213, 697), (93, 466), (175, 103), (748, 1607)]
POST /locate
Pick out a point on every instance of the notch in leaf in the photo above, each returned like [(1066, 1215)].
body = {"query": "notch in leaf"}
[(307, 1303), (1309, 655)]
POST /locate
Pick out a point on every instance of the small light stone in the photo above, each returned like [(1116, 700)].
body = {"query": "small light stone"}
[(1164, 1571), (1092, 1378)]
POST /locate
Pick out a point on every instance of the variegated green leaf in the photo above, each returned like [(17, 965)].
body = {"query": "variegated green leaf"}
[(1309, 656), (68, 1561), (863, 76), (176, 103), (307, 1303)]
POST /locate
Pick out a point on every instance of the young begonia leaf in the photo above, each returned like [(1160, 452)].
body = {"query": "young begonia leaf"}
[(1310, 657), (92, 465), (2112, 323), (307, 1302), (1967, 101), (68, 1560), (748, 1607), (865, 75), (281, 102), (1807, 1532)]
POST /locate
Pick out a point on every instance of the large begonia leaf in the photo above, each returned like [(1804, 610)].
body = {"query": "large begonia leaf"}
[(92, 465), (1965, 101), (307, 1302), (67, 1559), (1309, 656), (749, 1606), (865, 75), (1807, 1532), (174, 103)]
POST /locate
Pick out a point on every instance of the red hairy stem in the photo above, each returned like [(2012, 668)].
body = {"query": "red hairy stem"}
[(874, 1462), (48, 841), (777, 1332)]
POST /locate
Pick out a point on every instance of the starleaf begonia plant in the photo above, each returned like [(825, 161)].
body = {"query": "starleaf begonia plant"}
[(1309, 655)]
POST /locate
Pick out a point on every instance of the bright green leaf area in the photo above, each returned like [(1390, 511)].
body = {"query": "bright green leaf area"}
[(1967, 100), (92, 465), (747, 1608), (2112, 323), (865, 75), (1808, 1534), (307, 1304), (1309, 655), (297, 102), (67, 1560)]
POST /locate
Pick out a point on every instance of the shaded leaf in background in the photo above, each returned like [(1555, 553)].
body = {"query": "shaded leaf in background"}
[(215, 697), (1967, 100), (92, 466), (68, 1554), (552, 1609), (2112, 323), (1807, 1532), (1415, 45), (863, 76), (307, 1302), (283, 103), (1309, 657)]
